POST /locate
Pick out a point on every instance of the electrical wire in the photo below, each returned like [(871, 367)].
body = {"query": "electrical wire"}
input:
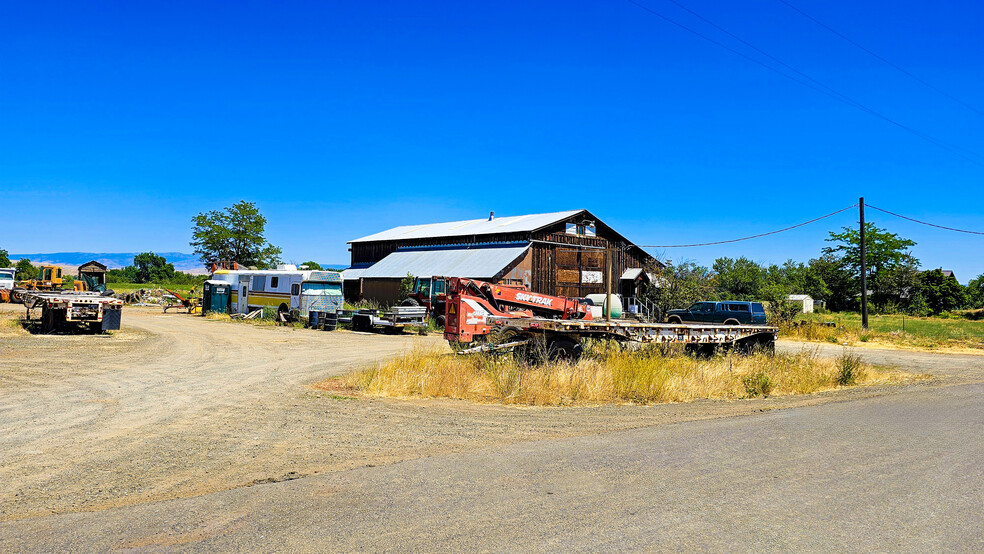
[(883, 60), (818, 87), (751, 237), (923, 222)]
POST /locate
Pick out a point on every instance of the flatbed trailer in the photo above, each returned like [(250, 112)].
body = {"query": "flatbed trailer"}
[(562, 338), (73, 310), (393, 320)]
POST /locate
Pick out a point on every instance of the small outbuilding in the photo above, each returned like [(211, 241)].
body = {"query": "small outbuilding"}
[(803, 299), (94, 271), (568, 253)]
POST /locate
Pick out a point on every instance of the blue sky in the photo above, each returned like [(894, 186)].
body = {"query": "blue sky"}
[(120, 121)]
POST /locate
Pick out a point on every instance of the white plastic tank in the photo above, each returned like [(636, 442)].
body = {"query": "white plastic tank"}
[(598, 311)]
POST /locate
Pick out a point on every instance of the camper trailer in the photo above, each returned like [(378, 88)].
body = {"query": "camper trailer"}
[(285, 289)]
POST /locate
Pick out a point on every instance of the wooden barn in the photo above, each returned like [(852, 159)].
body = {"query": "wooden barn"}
[(562, 253)]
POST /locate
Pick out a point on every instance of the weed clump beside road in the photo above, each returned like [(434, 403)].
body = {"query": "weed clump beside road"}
[(607, 376)]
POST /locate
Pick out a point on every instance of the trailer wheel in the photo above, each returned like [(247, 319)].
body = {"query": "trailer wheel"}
[(564, 350), (700, 350)]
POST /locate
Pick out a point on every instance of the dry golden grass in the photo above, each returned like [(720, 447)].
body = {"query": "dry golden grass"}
[(647, 376), (951, 332)]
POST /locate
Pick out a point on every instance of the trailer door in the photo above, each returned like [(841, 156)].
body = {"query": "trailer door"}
[(243, 304)]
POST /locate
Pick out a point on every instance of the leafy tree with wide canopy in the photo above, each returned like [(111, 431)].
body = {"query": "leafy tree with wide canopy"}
[(890, 263), (234, 234), (152, 268)]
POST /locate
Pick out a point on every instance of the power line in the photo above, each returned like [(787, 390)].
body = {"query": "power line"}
[(924, 222), (751, 237), (883, 60), (819, 87)]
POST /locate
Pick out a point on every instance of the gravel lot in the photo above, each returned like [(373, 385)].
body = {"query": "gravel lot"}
[(176, 406)]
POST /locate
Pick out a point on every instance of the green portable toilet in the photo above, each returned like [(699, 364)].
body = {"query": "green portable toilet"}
[(216, 296)]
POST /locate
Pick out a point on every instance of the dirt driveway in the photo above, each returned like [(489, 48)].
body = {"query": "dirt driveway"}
[(177, 406)]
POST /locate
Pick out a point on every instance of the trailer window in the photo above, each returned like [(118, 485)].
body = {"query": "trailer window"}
[(295, 289), (258, 283), (274, 282)]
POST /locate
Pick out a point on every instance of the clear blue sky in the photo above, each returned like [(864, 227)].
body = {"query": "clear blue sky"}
[(120, 121)]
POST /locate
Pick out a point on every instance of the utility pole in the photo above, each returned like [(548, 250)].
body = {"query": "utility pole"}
[(864, 272), (608, 284)]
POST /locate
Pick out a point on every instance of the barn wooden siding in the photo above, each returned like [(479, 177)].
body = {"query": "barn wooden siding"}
[(557, 269)]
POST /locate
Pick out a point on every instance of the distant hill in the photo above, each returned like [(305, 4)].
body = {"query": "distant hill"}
[(112, 260)]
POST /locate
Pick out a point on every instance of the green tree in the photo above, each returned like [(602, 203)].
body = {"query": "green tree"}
[(885, 252), (406, 285), (152, 268), (26, 270), (941, 292), (234, 234), (975, 292), (127, 274), (678, 285), (738, 279), (312, 265), (837, 280), (4, 258), (805, 279), (897, 286)]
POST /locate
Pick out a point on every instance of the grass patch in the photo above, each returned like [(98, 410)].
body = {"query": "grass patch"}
[(606, 376), (930, 333)]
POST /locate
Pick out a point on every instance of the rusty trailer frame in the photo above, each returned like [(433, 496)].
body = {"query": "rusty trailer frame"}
[(698, 337)]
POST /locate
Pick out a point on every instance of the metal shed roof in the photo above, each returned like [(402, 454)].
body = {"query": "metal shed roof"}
[(467, 261), (508, 224)]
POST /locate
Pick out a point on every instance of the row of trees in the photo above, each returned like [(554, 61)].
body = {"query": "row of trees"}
[(895, 281)]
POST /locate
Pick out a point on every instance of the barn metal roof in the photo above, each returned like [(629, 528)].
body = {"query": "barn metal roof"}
[(475, 261), (508, 224)]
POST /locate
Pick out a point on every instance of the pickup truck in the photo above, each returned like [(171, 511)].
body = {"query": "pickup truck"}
[(727, 312)]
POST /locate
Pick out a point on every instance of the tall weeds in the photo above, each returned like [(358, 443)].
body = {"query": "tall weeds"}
[(604, 376)]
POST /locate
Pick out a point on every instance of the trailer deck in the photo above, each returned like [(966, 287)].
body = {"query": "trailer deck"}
[(698, 337), (75, 309)]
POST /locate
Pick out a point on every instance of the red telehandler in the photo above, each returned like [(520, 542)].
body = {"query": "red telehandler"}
[(482, 317)]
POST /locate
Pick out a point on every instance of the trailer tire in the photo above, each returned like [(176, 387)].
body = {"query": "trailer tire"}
[(564, 349), (361, 323), (700, 350)]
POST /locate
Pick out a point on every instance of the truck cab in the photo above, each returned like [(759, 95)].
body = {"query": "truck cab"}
[(430, 292), (7, 277)]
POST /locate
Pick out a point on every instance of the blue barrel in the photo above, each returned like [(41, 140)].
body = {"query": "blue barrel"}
[(314, 319)]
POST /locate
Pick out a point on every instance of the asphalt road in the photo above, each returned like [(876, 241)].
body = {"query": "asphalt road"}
[(896, 472)]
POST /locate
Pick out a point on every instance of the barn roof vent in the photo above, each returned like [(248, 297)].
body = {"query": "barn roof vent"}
[(491, 216)]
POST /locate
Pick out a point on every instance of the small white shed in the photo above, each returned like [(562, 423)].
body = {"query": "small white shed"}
[(805, 299)]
